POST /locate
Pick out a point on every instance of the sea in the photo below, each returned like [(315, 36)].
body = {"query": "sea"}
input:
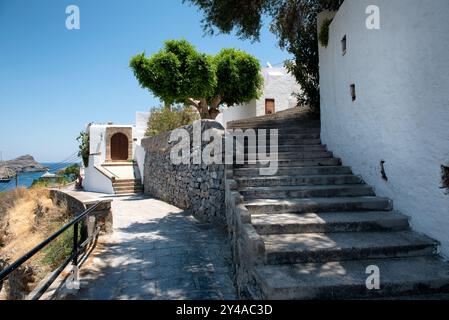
[(26, 179)]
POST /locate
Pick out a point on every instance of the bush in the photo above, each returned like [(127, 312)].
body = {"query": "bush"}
[(165, 119), (83, 152), (324, 32)]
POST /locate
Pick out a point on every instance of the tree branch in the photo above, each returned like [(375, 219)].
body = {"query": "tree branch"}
[(216, 102), (194, 103)]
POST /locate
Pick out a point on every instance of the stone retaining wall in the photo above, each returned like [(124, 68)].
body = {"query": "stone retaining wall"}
[(198, 188), (101, 216), (248, 248)]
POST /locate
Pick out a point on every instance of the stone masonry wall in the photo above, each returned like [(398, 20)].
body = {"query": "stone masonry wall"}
[(198, 188)]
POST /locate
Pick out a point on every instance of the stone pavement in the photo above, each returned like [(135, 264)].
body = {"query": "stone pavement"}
[(157, 251)]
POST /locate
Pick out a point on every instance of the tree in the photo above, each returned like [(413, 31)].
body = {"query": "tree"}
[(180, 74), (294, 22), (165, 119), (83, 153)]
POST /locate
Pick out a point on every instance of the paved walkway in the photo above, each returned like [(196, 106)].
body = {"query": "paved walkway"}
[(157, 251)]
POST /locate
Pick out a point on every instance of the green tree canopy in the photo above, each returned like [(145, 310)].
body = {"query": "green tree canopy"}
[(292, 21), (180, 74)]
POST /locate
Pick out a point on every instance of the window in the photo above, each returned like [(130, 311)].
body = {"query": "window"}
[(353, 93), (445, 178), (343, 45)]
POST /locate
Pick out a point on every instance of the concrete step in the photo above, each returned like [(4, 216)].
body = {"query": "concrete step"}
[(296, 163), (327, 222), (292, 155), (306, 205), (318, 191), (347, 280), (271, 181), (304, 171), (325, 247)]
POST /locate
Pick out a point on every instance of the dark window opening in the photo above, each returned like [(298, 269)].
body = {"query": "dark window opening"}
[(382, 170), (445, 178), (353, 93), (343, 45)]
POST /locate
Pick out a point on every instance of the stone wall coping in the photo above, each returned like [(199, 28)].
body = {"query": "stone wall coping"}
[(161, 144)]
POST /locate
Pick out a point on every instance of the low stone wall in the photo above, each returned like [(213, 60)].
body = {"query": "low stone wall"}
[(248, 248), (101, 216), (198, 188)]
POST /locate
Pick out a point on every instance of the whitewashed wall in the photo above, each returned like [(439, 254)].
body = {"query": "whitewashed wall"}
[(139, 134), (94, 180), (278, 85), (237, 113), (401, 114)]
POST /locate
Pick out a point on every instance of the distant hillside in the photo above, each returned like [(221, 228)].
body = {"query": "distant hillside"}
[(25, 164)]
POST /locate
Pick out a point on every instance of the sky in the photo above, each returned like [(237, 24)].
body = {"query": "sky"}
[(53, 81)]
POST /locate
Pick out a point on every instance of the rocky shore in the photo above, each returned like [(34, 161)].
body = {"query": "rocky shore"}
[(25, 164)]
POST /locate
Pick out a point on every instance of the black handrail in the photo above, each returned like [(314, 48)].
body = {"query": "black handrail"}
[(73, 256)]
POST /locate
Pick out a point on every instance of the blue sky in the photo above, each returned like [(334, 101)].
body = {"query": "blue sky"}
[(53, 81)]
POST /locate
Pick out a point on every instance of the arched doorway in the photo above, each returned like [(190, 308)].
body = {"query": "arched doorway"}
[(119, 147)]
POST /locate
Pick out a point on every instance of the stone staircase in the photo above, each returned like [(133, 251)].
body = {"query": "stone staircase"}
[(126, 187), (322, 226)]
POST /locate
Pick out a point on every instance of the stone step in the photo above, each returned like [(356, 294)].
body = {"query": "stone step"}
[(285, 131), (298, 180), (347, 279), (130, 187), (283, 192), (304, 171), (292, 155), (130, 193), (326, 222), (286, 148), (292, 125), (325, 247), (126, 184), (295, 163), (306, 205), (279, 121)]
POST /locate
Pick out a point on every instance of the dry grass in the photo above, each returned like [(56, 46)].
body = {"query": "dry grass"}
[(27, 217), (31, 217)]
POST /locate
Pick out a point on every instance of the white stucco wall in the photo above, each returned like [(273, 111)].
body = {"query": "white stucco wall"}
[(401, 114), (238, 112), (97, 136), (278, 85), (95, 181), (139, 133)]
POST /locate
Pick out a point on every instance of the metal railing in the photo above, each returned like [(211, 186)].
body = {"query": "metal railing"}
[(73, 257)]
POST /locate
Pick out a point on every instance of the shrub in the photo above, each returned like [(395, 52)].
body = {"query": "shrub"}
[(166, 119), (324, 32), (84, 141)]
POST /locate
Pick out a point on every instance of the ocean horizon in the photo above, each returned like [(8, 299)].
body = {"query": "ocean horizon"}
[(26, 179)]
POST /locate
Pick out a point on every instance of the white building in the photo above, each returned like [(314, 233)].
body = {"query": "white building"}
[(278, 95), (116, 157), (385, 102)]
